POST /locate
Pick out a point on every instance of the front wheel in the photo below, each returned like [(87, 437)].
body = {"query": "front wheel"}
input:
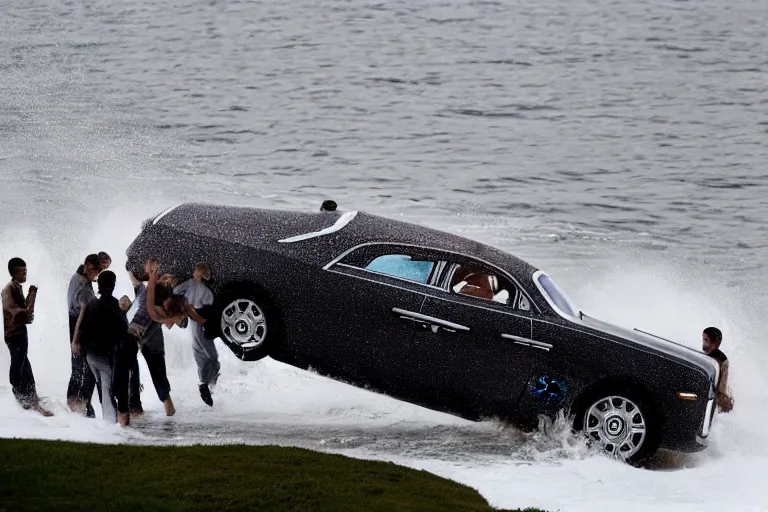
[(622, 425), (245, 324)]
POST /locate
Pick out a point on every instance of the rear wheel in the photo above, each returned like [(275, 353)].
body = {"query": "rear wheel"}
[(245, 323), (621, 424)]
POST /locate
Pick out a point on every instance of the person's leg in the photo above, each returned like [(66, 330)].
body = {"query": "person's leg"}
[(134, 387), (153, 350), (74, 360), (120, 380), (29, 389), (84, 384), (88, 386), (109, 404), (22, 378), (207, 360), (18, 346), (206, 356), (103, 378), (81, 381), (95, 370), (131, 352)]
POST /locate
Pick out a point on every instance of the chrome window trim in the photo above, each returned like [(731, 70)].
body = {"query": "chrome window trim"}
[(164, 213), (425, 247)]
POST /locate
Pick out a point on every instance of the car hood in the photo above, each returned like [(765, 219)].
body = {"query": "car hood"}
[(693, 357)]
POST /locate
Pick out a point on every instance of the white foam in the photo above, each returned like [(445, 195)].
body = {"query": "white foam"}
[(553, 470)]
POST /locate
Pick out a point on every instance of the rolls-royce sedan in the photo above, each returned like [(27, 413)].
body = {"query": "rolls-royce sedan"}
[(434, 319)]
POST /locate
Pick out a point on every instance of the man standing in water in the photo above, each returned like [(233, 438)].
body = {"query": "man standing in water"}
[(100, 333), (710, 344), (17, 313), (80, 293), (200, 297)]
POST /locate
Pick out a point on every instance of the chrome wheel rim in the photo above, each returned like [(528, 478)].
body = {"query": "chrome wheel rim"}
[(617, 424), (244, 323)]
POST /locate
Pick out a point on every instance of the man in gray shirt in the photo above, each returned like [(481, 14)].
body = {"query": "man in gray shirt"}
[(200, 297), (80, 293)]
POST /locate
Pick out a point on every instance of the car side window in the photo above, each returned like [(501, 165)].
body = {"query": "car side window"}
[(483, 284), (402, 266)]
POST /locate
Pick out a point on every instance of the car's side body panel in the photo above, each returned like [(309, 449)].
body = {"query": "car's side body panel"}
[(417, 341)]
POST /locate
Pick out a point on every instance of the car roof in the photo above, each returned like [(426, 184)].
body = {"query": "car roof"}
[(294, 233)]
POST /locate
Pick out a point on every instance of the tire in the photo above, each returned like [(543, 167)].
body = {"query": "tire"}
[(245, 322), (621, 422)]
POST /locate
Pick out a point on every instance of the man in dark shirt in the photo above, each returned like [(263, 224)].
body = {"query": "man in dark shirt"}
[(17, 313), (100, 332), (710, 344)]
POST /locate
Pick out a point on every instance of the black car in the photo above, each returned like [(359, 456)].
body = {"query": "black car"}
[(434, 319)]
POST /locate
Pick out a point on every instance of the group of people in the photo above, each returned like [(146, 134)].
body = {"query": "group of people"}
[(105, 345)]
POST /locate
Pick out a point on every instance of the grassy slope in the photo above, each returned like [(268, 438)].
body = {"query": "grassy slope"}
[(50, 475)]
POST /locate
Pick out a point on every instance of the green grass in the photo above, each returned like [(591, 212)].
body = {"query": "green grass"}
[(51, 475)]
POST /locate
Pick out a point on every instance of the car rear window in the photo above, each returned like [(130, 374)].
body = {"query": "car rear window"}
[(402, 266)]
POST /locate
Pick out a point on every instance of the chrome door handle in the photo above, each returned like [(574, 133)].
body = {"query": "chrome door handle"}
[(436, 323), (526, 342)]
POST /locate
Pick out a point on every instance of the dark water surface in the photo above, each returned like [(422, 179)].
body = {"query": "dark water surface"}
[(576, 121)]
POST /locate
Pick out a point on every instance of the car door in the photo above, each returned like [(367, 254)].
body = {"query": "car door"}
[(480, 350), (372, 318)]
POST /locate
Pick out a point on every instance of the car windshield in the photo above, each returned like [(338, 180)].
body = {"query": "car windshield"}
[(556, 295)]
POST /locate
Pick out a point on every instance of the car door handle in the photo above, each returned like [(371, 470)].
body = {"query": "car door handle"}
[(519, 340), (435, 323)]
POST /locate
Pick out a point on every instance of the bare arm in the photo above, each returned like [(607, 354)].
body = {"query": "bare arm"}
[(76, 337), (153, 270), (724, 399)]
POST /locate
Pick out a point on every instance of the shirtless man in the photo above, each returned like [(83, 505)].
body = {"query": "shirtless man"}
[(710, 344), (17, 313)]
